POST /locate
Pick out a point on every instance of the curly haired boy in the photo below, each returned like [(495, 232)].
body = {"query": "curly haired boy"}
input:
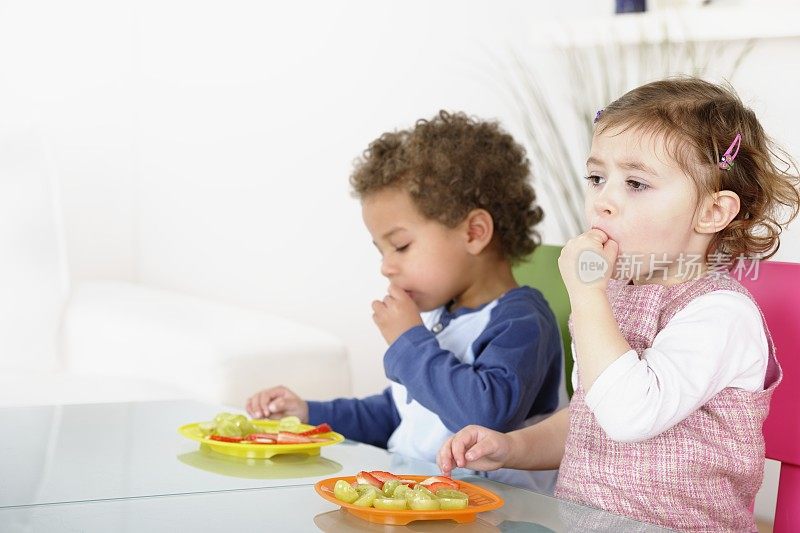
[(449, 207)]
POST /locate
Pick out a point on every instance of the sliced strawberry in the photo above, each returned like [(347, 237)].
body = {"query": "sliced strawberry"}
[(368, 479), (433, 487), (383, 477), (322, 428), (222, 438), (262, 436), (287, 437), (440, 479)]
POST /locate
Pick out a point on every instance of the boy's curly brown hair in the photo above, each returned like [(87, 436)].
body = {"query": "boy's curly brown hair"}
[(698, 121), (451, 165)]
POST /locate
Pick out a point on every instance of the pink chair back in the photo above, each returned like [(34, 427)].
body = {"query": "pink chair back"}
[(776, 288)]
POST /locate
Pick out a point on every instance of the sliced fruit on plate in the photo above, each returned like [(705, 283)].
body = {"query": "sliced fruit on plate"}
[(345, 492), (322, 428), (434, 487), (223, 438), (261, 438), (287, 437), (367, 478), (383, 477), (440, 479), (266, 436)]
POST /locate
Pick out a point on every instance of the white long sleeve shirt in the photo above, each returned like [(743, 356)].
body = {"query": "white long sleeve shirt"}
[(716, 341)]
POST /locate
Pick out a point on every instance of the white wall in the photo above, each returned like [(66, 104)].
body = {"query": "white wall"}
[(206, 147), (67, 68), (247, 121)]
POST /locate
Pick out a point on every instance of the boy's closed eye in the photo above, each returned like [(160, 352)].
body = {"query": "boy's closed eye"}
[(397, 248)]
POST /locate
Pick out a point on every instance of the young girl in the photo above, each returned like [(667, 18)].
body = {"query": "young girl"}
[(674, 364)]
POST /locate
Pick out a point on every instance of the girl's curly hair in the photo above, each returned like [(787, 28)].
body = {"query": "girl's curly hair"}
[(698, 120), (451, 165)]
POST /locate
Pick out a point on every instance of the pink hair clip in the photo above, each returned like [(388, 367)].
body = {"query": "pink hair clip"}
[(598, 115), (726, 161)]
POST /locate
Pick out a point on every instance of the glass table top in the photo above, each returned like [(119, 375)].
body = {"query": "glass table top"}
[(124, 467), (299, 509), (101, 451)]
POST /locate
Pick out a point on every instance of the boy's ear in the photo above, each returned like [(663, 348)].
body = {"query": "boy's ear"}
[(479, 230), (716, 211)]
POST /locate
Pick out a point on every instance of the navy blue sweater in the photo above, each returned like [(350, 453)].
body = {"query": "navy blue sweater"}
[(516, 374)]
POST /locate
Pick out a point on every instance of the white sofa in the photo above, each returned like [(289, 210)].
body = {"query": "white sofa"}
[(97, 341)]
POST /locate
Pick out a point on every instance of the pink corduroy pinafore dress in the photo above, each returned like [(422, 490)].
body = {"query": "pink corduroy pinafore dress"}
[(700, 475)]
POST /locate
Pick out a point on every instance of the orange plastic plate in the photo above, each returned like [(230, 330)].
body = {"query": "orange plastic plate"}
[(260, 451), (480, 500)]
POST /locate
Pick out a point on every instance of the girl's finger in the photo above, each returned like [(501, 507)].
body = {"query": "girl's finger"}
[(611, 251), (597, 235)]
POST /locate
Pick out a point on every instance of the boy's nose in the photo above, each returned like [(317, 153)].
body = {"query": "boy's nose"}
[(388, 268)]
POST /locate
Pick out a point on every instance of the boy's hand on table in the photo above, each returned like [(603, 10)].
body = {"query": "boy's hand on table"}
[(277, 402), (395, 314), (476, 448)]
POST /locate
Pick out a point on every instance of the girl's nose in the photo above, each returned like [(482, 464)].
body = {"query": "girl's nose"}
[(604, 204)]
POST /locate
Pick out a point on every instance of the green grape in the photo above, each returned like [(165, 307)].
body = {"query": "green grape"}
[(289, 423), (221, 417), (206, 428), (392, 504), (417, 495), (248, 427), (451, 493), (229, 425), (344, 491), (421, 504), (400, 491), (228, 428), (422, 489), (364, 488), (366, 499), (389, 486), (450, 504), (240, 421)]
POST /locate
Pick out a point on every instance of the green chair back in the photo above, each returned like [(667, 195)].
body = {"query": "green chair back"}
[(540, 271)]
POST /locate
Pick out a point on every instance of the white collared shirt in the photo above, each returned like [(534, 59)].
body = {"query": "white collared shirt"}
[(716, 341)]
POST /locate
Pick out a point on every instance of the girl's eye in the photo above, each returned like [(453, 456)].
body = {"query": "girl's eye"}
[(637, 185), (402, 248), (594, 181)]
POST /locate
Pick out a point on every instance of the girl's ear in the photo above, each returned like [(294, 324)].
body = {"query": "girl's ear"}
[(479, 230), (717, 211)]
